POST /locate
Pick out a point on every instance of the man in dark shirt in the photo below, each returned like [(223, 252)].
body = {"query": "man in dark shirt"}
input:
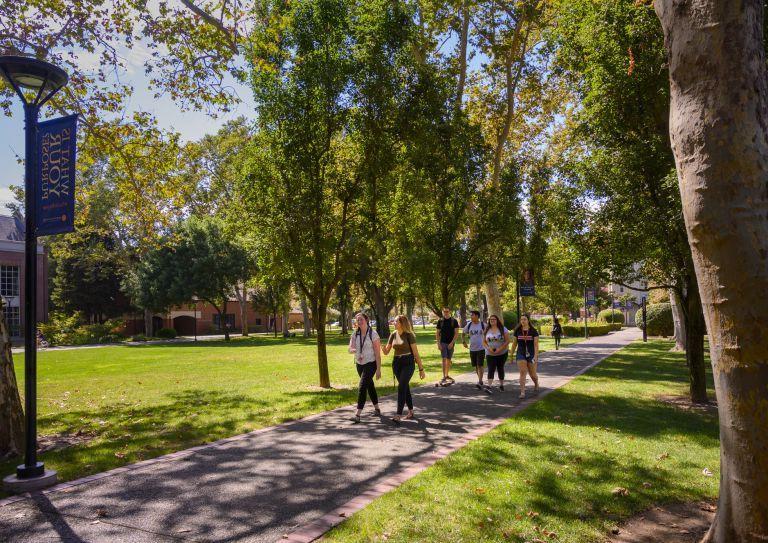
[(446, 334)]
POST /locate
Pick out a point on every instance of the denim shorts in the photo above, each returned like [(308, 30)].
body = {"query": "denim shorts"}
[(445, 352)]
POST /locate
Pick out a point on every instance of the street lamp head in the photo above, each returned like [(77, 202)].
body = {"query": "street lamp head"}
[(42, 78)]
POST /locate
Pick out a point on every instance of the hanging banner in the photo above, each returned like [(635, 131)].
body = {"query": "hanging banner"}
[(591, 296), (617, 304), (55, 188), (527, 284)]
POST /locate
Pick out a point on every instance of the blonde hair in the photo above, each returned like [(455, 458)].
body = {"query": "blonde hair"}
[(405, 323)]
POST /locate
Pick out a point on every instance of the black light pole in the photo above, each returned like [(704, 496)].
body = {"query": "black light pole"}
[(35, 82), (586, 309)]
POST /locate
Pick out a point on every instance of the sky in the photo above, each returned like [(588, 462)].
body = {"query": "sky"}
[(191, 124)]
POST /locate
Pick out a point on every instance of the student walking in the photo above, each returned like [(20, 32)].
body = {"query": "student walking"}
[(446, 333), (366, 346), (496, 343), (526, 344), (557, 332), (403, 341), (475, 329)]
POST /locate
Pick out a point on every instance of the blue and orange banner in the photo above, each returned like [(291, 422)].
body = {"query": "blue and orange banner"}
[(55, 189)]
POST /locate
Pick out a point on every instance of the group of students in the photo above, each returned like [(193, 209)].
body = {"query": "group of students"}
[(487, 341)]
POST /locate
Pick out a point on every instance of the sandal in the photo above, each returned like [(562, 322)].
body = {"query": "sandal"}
[(355, 419), (409, 416), (396, 419), (377, 412)]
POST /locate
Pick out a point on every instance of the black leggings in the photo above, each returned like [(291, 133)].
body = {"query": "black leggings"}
[(557, 341), (366, 373), (496, 363), (403, 368)]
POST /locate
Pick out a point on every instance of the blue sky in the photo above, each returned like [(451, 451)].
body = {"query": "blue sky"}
[(191, 124)]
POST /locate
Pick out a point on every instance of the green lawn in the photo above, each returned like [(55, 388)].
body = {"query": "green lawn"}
[(135, 403), (558, 466)]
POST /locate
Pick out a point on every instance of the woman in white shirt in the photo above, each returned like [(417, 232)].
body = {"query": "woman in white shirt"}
[(366, 346)]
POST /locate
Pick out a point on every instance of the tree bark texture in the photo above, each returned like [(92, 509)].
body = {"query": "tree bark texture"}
[(381, 309), (718, 122), (320, 312), (678, 317), (11, 412), (695, 329), (149, 326), (285, 322), (493, 297)]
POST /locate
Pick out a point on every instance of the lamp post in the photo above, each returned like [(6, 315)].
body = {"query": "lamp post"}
[(35, 82)]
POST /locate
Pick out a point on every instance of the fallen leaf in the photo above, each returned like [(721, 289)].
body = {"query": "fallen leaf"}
[(647, 485), (620, 491), (101, 512), (120, 455), (662, 456), (480, 490), (706, 472)]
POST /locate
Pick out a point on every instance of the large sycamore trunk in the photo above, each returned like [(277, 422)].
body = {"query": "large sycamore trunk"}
[(11, 413), (493, 297), (718, 123), (678, 318)]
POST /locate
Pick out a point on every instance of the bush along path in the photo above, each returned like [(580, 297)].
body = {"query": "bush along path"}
[(290, 482)]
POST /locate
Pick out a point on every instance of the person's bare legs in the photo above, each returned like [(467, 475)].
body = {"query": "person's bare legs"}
[(479, 371), (523, 367), (532, 370)]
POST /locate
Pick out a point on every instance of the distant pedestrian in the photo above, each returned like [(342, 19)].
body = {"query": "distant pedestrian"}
[(557, 332), (446, 334), (366, 346), (526, 344), (496, 342), (403, 341), (475, 329)]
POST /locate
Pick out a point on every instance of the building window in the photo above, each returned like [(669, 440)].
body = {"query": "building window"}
[(230, 320), (258, 321), (621, 289), (13, 319), (9, 281)]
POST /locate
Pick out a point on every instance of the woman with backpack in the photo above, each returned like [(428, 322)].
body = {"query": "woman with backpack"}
[(526, 345), (366, 346), (403, 341), (557, 332), (496, 343)]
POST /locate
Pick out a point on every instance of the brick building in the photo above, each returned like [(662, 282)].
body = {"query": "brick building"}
[(12, 275), (201, 318)]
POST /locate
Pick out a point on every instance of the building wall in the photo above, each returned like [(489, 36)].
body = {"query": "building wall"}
[(12, 254)]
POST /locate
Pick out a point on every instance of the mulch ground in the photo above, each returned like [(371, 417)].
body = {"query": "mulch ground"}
[(676, 523)]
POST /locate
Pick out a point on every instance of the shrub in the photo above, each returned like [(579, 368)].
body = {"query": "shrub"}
[(611, 315), (577, 330), (509, 318), (138, 337), (64, 329), (166, 333), (659, 318)]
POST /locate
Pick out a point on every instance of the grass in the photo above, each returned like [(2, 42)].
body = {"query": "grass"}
[(556, 467), (131, 403)]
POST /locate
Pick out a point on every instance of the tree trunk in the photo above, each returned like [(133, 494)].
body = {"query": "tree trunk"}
[(149, 326), (11, 412), (320, 312), (694, 344), (381, 311), (305, 316), (285, 323), (463, 310), (410, 307), (493, 297), (718, 122), (678, 317), (223, 320)]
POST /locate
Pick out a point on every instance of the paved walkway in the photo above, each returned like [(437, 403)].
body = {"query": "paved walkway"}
[(286, 483)]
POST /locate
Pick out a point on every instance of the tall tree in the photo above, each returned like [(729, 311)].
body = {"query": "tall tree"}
[(197, 261), (300, 186), (718, 119), (619, 152)]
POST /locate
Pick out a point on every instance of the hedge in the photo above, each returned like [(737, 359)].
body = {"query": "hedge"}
[(509, 318), (659, 317), (576, 330), (611, 315), (166, 333)]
